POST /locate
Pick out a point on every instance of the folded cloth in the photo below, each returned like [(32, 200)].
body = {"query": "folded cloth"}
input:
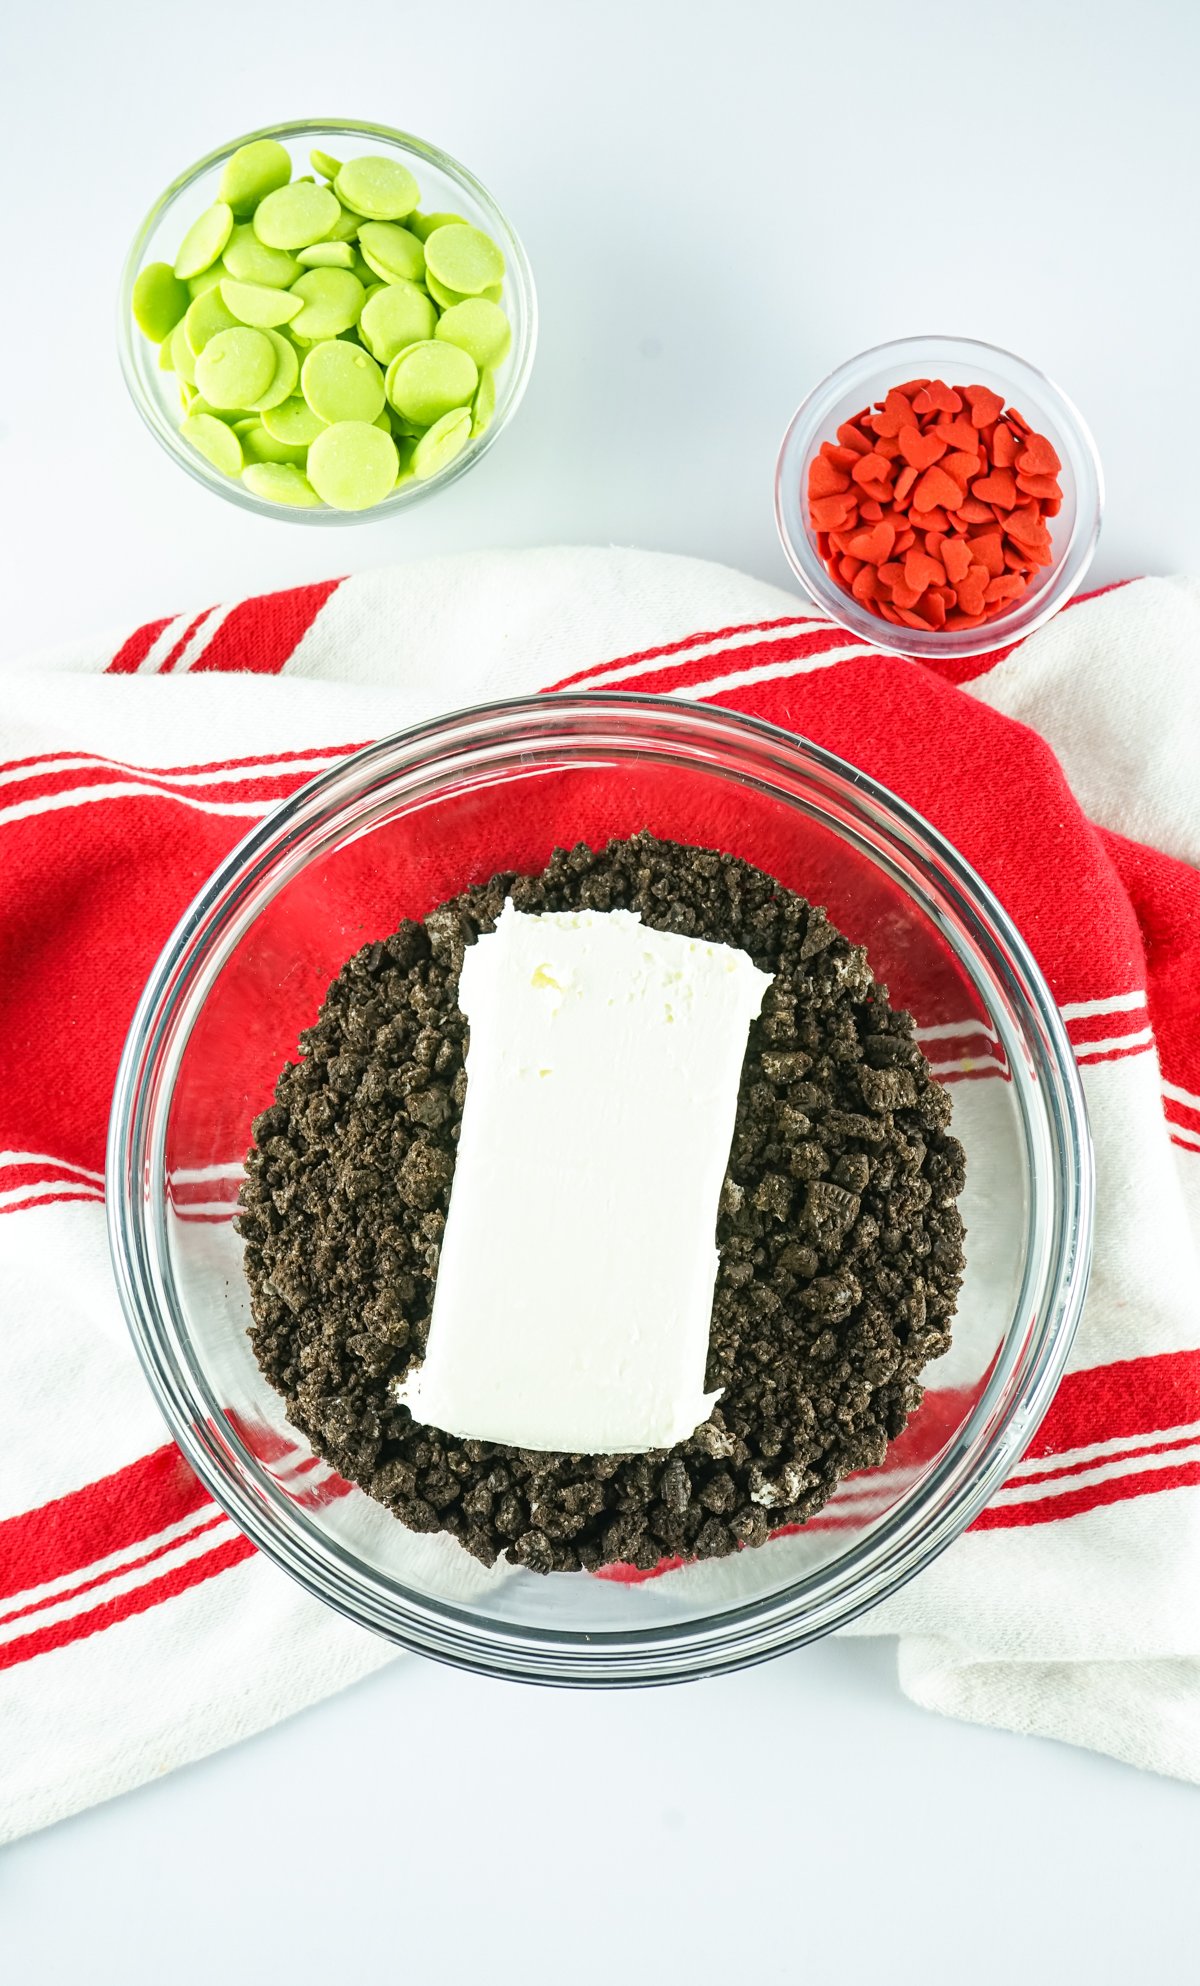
[(138, 1628)]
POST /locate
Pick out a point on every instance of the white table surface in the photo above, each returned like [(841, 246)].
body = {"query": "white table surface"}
[(716, 201)]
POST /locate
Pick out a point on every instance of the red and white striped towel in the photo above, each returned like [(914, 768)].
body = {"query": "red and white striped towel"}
[(138, 1629)]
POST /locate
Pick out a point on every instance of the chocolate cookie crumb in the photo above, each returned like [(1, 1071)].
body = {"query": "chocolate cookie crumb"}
[(839, 1238)]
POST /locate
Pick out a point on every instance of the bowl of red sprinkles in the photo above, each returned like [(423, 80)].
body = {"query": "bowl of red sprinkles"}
[(938, 496)]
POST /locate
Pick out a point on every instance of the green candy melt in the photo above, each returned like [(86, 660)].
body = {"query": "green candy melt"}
[(280, 482), (295, 216), (249, 260), (392, 251), (214, 440), (327, 255), (293, 420), (332, 302), (423, 225), (446, 299), (330, 342), (399, 314), (428, 380), (477, 327), (284, 378), (183, 359), (440, 444), (483, 406), (463, 258), (254, 171), (381, 189), (352, 465), (206, 315), (159, 301), (235, 367), (260, 445), (341, 382), (204, 240), (259, 305)]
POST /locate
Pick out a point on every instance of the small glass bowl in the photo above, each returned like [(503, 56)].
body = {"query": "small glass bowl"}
[(965, 362), (446, 187), (387, 834)]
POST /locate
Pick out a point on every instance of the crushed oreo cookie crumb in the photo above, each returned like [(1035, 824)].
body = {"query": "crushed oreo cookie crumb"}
[(839, 1238)]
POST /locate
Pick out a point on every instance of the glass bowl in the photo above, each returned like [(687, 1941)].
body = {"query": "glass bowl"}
[(959, 361), (446, 187), (387, 834)]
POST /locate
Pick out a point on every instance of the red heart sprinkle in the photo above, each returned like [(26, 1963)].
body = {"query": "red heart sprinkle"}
[(936, 489), (958, 434), (874, 545), (1000, 487), (921, 571), (1005, 447), (956, 558), (832, 512), (825, 478), (851, 438), (919, 450), (962, 467), (937, 398), (1038, 486), (987, 548), (985, 405), (969, 591), (895, 413), (1039, 458), (872, 469)]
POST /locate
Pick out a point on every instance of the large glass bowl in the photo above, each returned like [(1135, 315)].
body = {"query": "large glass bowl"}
[(446, 187), (388, 833)]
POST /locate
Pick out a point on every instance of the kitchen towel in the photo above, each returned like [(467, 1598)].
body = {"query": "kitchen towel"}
[(138, 1628)]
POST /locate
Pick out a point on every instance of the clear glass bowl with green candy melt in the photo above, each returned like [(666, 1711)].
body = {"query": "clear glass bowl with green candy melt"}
[(387, 834), (446, 187)]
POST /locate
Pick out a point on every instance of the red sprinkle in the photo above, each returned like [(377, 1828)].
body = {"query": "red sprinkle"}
[(931, 507)]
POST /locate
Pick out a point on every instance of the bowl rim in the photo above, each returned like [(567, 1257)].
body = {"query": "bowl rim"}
[(517, 369), (803, 434), (919, 1526)]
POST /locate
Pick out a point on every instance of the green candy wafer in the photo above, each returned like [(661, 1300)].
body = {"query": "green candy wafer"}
[(280, 482), (426, 381), (392, 251), (293, 420), (463, 258), (477, 327), (295, 216), (381, 189), (332, 302), (252, 172), (206, 315), (441, 443), (215, 441), (249, 260), (352, 465), (341, 382), (204, 240), (260, 305), (235, 367), (397, 315), (159, 300)]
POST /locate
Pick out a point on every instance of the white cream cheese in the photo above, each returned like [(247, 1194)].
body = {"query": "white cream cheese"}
[(575, 1287)]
